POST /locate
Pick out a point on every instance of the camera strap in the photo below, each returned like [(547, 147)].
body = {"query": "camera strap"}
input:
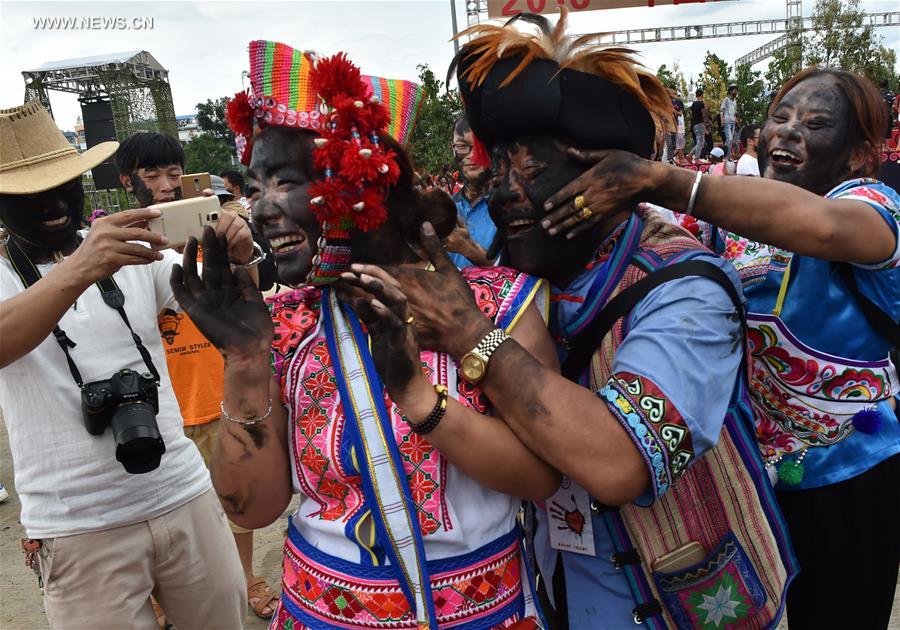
[(112, 295)]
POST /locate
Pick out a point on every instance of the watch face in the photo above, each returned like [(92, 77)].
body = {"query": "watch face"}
[(472, 367)]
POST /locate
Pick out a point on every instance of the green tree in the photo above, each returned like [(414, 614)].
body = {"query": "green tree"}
[(666, 77), (681, 84), (785, 64), (840, 38), (884, 66), (206, 153), (714, 79), (211, 119), (752, 102), (673, 78), (430, 142)]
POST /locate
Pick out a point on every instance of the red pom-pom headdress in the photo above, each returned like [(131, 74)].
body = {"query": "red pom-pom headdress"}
[(329, 96)]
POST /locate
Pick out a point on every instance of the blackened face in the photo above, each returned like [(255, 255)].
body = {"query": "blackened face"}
[(46, 221), (159, 184), (526, 173), (281, 171), (806, 140)]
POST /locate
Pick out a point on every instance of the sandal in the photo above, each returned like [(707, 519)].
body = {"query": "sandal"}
[(158, 612), (260, 597)]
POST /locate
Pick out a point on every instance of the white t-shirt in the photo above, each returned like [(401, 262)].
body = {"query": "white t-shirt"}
[(69, 481), (748, 165), (728, 109)]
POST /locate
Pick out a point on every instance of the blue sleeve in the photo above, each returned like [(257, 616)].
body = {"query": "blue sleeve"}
[(884, 200), (675, 372)]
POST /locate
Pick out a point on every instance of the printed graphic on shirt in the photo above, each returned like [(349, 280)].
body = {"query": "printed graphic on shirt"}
[(168, 325), (173, 325), (196, 368)]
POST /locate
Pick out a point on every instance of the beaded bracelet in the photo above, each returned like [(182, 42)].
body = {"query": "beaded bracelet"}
[(434, 418), (246, 423)]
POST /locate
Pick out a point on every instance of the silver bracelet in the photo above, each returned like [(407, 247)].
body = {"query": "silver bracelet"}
[(260, 256), (249, 422), (694, 190)]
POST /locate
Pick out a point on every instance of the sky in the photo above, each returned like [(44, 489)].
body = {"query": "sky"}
[(204, 44)]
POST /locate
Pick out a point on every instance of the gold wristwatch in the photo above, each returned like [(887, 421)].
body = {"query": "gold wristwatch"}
[(474, 363)]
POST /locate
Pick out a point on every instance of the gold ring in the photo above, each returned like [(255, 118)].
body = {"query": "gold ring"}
[(579, 202), (410, 320), (586, 213)]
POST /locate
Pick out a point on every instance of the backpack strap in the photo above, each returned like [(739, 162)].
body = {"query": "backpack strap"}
[(585, 344)]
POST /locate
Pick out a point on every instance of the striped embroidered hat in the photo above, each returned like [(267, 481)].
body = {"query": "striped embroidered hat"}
[(282, 94), (404, 99), (279, 77)]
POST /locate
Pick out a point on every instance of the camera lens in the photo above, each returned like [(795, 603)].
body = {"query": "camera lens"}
[(139, 445)]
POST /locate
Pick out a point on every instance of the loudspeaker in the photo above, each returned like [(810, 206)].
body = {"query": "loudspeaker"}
[(99, 126)]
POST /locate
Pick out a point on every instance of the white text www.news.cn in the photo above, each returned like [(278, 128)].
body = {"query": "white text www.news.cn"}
[(93, 23)]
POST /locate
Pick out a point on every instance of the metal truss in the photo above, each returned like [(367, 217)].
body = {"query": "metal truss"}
[(134, 82), (730, 29), (789, 27)]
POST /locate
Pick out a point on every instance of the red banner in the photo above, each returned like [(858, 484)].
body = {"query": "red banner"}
[(509, 8)]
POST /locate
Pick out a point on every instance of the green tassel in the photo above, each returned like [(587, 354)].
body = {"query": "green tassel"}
[(790, 473)]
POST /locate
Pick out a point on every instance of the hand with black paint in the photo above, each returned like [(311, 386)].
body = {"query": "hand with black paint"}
[(225, 304), (380, 304)]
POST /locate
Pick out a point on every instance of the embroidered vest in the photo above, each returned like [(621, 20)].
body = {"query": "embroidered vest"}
[(723, 500), (484, 585)]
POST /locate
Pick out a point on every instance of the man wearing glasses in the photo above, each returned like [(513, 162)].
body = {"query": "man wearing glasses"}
[(748, 164), (471, 202)]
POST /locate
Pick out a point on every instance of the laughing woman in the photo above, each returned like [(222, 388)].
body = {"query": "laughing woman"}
[(820, 264), (407, 515)]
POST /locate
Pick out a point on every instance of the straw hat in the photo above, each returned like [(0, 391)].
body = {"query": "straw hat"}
[(34, 154)]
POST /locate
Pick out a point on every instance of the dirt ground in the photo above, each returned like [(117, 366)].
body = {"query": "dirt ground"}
[(20, 599)]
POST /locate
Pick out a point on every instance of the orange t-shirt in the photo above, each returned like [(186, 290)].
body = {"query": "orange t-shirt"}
[(195, 366)]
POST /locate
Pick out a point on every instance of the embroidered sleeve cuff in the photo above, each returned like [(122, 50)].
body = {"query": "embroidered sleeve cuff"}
[(654, 424)]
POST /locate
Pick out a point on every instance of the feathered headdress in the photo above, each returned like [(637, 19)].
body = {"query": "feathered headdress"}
[(516, 82)]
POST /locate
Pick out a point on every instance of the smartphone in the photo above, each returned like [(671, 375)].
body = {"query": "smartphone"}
[(184, 218), (194, 184), (681, 558)]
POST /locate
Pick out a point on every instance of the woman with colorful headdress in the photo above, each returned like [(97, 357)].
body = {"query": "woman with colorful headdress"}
[(406, 517)]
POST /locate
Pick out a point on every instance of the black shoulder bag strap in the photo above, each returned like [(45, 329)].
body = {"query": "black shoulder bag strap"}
[(880, 321), (584, 345), (112, 296)]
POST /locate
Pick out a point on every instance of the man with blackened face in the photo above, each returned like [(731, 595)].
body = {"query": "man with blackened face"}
[(100, 456), (643, 396), (527, 171), (150, 167)]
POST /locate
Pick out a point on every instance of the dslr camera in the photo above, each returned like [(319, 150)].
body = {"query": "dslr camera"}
[(128, 403)]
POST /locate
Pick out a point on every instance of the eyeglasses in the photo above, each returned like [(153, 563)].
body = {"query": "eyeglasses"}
[(462, 149)]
